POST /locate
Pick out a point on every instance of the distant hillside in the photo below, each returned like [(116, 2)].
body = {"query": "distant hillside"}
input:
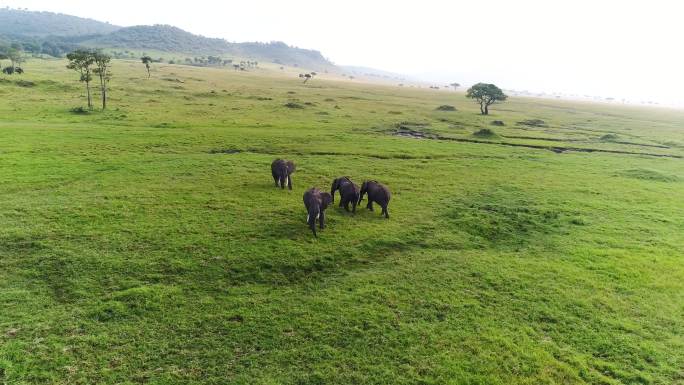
[(38, 24), (56, 34), (172, 39), (372, 72), (161, 38)]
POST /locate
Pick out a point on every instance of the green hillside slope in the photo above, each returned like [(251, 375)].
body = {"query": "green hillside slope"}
[(40, 24)]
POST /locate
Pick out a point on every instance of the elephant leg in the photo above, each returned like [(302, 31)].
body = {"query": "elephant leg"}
[(354, 207), (346, 206), (369, 206), (275, 178), (289, 182), (322, 219), (384, 211)]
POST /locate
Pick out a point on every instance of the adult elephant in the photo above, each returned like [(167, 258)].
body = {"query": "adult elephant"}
[(316, 202), (349, 192), (377, 193), (281, 170)]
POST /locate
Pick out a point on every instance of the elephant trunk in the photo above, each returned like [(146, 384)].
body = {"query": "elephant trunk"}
[(332, 190)]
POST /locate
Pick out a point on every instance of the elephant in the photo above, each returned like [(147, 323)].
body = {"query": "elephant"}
[(281, 170), (349, 192), (377, 193), (316, 202)]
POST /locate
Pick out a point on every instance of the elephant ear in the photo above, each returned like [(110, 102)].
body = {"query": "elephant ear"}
[(291, 166), (326, 199)]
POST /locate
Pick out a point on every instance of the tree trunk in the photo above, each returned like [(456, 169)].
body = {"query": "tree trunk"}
[(486, 110), (90, 100), (482, 111), (104, 97), (148, 72)]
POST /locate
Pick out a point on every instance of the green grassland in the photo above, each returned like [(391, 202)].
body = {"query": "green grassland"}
[(147, 244)]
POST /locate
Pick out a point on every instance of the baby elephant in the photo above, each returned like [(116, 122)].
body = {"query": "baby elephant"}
[(281, 170), (377, 193), (316, 202), (349, 192)]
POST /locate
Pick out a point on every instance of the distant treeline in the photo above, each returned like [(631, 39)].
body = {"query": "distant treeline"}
[(45, 33), (56, 46)]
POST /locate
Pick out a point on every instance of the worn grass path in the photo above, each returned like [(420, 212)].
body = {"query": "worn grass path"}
[(147, 244)]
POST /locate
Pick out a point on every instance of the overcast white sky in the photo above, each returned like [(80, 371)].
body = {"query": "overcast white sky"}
[(628, 48)]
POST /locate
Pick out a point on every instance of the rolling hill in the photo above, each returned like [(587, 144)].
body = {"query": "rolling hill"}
[(55, 34), (42, 24), (168, 38)]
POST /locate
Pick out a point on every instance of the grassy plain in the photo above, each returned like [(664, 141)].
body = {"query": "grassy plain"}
[(147, 244)]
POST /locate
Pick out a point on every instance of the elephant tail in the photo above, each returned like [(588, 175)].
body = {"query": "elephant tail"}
[(314, 213)]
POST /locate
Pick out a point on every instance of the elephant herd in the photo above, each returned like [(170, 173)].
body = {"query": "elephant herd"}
[(316, 201)]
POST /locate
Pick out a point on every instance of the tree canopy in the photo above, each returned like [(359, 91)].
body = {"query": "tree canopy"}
[(102, 69), (81, 61), (486, 94), (146, 60)]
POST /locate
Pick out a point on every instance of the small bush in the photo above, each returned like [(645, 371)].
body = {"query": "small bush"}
[(446, 107), (533, 123), (293, 105), (498, 123), (609, 137), (485, 133), (79, 111)]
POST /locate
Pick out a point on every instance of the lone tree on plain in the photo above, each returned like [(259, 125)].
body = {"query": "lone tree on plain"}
[(81, 61), (455, 85), (146, 60), (486, 95), (15, 56), (103, 72)]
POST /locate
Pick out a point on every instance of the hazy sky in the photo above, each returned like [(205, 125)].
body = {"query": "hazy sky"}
[(625, 48)]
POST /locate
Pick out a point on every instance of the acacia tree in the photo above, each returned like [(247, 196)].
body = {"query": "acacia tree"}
[(455, 85), (486, 95), (146, 60), (81, 61), (103, 72), (15, 56)]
